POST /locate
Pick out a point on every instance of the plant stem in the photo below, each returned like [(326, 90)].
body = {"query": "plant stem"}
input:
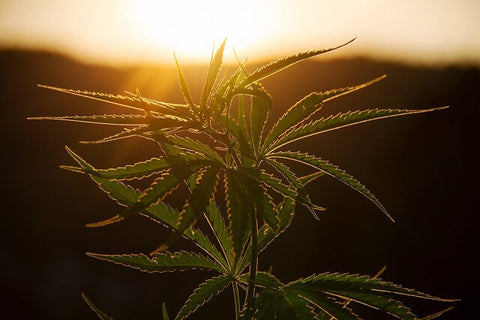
[(250, 297), (236, 298)]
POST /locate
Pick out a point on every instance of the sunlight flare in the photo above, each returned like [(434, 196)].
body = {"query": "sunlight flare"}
[(191, 27)]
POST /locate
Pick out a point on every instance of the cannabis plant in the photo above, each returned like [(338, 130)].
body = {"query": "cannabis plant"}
[(235, 168)]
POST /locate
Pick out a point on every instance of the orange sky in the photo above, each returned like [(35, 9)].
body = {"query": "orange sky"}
[(130, 31)]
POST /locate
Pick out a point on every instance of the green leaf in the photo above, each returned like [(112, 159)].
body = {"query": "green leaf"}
[(166, 215), (325, 290), (160, 188), (277, 185), (260, 199), (287, 191), (238, 210), (201, 195), (437, 314), (305, 108), (217, 222), (276, 66), (126, 133), (101, 315), (336, 282), (128, 101), (379, 302), (164, 312), (341, 120), (195, 206), (263, 280), (160, 212), (310, 177), (333, 171), (228, 85), (246, 150), (286, 212), (195, 146), (302, 195), (272, 305), (163, 262), (260, 110), (213, 70), (143, 169), (118, 120), (331, 307), (184, 87), (302, 308), (202, 294), (122, 194)]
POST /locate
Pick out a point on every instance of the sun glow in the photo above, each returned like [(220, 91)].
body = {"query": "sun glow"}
[(190, 27)]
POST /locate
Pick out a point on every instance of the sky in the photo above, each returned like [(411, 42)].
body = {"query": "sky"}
[(133, 31)]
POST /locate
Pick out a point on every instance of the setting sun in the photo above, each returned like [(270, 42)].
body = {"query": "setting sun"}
[(191, 27)]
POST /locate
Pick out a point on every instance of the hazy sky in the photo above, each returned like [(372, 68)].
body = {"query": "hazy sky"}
[(431, 31)]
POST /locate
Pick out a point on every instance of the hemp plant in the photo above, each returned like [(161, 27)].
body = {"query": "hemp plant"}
[(234, 168)]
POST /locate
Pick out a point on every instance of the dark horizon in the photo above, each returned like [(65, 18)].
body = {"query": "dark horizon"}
[(423, 168)]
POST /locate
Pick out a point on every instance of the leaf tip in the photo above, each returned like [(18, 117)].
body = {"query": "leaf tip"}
[(106, 222), (72, 168)]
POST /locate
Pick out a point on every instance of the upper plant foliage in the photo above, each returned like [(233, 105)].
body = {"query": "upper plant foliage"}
[(247, 158)]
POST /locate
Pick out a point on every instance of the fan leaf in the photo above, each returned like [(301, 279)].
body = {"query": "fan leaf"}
[(118, 120), (305, 108), (302, 195), (161, 187), (276, 66), (272, 305), (166, 215), (286, 212), (183, 85), (143, 169), (128, 101), (195, 206), (333, 171), (326, 305), (213, 71), (163, 262), (220, 230), (263, 279), (202, 294), (342, 120), (195, 146), (260, 110), (331, 282), (260, 199), (238, 210)]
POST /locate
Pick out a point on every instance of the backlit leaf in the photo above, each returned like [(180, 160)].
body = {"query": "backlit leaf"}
[(305, 108), (221, 231), (238, 210), (202, 294), (195, 206), (163, 262), (127, 101), (101, 315), (213, 70), (342, 120), (276, 66), (184, 87), (333, 171)]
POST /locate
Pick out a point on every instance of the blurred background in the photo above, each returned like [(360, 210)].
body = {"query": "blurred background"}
[(423, 168)]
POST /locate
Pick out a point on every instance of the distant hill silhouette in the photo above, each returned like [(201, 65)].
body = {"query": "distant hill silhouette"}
[(424, 169)]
